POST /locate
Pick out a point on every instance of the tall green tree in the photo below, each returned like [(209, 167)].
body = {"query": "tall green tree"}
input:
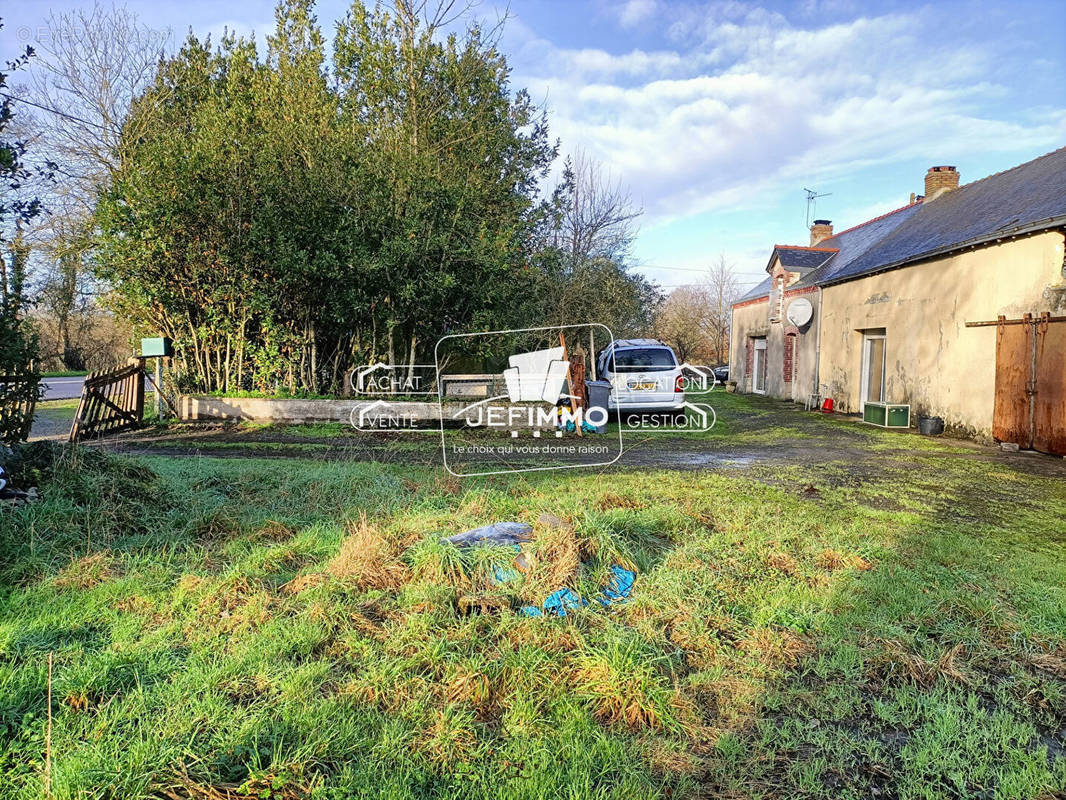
[(282, 221), (452, 177)]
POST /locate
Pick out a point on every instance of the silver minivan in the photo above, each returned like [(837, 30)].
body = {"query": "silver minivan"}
[(644, 374)]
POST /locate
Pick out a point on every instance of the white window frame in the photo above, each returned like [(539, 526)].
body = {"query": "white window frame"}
[(758, 362), (864, 386)]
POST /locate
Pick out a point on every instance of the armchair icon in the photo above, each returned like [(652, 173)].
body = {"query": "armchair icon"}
[(536, 376)]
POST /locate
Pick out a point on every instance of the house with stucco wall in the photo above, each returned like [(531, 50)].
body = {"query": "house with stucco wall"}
[(954, 304)]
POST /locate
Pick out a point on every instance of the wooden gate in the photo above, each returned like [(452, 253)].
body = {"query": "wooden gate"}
[(111, 401), (14, 404), (1049, 386), (1030, 404)]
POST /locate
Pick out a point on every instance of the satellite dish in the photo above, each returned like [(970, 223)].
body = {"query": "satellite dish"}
[(799, 312)]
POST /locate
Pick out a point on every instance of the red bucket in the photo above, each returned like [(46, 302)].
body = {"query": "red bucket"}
[(827, 406)]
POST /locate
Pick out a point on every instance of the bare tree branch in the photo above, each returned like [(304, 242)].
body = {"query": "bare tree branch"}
[(599, 215), (694, 320)]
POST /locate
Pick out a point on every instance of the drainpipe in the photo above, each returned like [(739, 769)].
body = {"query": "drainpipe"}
[(818, 348)]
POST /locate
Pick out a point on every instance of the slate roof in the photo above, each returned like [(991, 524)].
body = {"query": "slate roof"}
[(801, 259), (848, 244), (855, 242), (761, 290), (1025, 199)]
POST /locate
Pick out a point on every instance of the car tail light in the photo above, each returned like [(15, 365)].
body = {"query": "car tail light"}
[(679, 383)]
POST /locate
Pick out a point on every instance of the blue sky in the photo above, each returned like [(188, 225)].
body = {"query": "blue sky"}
[(718, 114)]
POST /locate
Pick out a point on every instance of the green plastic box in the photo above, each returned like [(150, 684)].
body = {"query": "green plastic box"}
[(887, 415), (158, 347)]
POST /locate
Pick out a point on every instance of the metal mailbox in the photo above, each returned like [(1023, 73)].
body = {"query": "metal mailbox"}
[(157, 347)]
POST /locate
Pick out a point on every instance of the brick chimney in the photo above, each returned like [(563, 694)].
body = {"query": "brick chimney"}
[(939, 180), (820, 230)]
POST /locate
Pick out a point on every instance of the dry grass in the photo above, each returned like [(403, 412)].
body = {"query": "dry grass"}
[(465, 685), (301, 583), (832, 560), (701, 650), (609, 500), (616, 699), (233, 606), (274, 531), (189, 583), (281, 784), (553, 559), (362, 622), (447, 484), (87, 572), (449, 739), (897, 660), (77, 702), (1053, 662), (666, 757), (730, 701), (553, 640), (775, 648), (368, 559), (134, 604), (783, 563), (475, 505)]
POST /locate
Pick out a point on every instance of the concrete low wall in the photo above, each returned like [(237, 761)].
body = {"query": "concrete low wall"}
[(298, 411), (260, 409)]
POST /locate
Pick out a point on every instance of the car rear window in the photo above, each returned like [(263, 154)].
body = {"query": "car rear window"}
[(644, 358)]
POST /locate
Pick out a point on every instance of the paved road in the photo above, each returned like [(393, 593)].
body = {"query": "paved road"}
[(62, 388)]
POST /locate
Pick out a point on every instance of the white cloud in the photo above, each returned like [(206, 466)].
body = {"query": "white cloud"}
[(747, 105), (636, 11)]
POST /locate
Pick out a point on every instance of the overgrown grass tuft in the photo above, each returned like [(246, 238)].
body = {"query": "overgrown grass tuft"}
[(296, 629)]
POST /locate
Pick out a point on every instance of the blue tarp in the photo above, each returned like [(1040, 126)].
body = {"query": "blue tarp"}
[(506, 574), (560, 601), (620, 585)]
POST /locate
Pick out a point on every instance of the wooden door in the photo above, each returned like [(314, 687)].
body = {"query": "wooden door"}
[(1049, 399), (1012, 412)]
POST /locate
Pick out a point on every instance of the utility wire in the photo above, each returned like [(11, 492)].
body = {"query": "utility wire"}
[(675, 269), (50, 110)]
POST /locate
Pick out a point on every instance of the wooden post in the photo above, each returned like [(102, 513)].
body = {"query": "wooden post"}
[(158, 388), (577, 379), (48, 736)]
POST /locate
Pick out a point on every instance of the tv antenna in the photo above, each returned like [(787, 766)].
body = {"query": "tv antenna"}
[(812, 200)]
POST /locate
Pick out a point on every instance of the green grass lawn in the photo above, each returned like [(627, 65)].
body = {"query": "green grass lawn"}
[(296, 628)]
